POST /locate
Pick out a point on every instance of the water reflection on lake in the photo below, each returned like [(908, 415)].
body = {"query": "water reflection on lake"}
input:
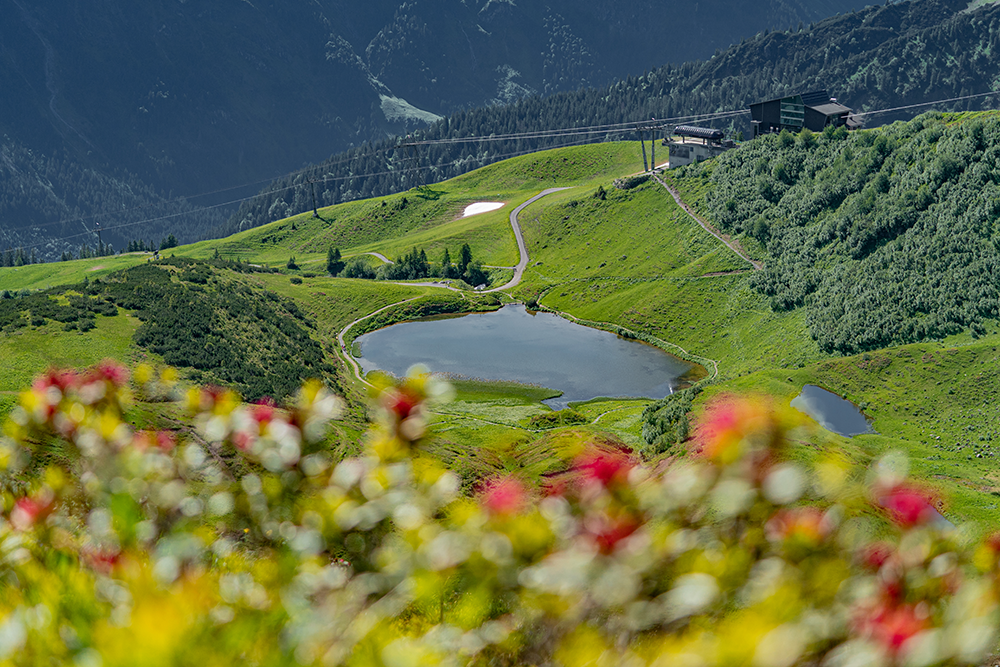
[(532, 348), (831, 411)]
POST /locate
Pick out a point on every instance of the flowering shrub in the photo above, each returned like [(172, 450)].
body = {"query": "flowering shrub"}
[(239, 539)]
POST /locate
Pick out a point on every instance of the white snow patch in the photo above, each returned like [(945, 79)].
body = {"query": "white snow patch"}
[(397, 109), (481, 207)]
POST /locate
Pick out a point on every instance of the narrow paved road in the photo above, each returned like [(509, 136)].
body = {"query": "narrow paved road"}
[(380, 256), (708, 228), (521, 248)]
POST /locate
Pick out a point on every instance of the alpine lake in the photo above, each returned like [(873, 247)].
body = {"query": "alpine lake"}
[(515, 344)]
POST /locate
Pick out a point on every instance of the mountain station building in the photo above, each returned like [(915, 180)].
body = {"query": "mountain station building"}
[(689, 144), (813, 111)]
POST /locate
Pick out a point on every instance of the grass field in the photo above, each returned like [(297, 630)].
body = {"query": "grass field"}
[(27, 352), (43, 276), (647, 266), (632, 258), (429, 217)]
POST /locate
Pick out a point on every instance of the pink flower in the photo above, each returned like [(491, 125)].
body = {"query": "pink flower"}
[(29, 511), (908, 505), (505, 497)]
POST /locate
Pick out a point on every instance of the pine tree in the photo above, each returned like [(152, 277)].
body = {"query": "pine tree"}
[(466, 258), (447, 270), (334, 265)]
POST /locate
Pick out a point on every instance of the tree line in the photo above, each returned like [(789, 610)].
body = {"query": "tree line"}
[(48, 202), (411, 266), (882, 56)]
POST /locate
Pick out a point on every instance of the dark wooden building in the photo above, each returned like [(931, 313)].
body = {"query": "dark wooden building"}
[(813, 111)]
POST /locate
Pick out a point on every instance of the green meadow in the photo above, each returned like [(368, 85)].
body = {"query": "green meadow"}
[(630, 258), (25, 353)]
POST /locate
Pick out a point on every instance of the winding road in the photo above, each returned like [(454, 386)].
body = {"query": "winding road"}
[(343, 346), (521, 248), (518, 273)]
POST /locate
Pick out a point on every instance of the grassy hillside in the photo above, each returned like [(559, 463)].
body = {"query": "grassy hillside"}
[(934, 401), (630, 258), (636, 259), (880, 237), (429, 217)]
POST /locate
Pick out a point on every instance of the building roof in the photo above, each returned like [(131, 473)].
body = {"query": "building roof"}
[(698, 132), (830, 109), (815, 98), (819, 100)]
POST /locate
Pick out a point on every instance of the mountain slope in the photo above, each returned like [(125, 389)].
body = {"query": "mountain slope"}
[(882, 237), (880, 57), (194, 98)]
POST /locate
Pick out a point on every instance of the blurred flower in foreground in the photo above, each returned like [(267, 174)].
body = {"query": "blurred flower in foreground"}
[(505, 497), (239, 531)]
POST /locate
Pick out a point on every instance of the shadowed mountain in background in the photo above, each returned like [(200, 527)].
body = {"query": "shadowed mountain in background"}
[(191, 97), (874, 59)]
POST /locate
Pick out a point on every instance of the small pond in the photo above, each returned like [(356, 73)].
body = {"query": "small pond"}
[(533, 348), (831, 411)]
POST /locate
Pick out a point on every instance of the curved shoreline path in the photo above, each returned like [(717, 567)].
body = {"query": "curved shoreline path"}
[(343, 347), (708, 228), (521, 248)]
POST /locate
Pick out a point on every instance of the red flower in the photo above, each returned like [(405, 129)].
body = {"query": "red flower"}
[(263, 411), (210, 395), (166, 440), (607, 531), (56, 377), (908, 505), (401, 402), (505, 497), (729, 421), (109, 371), (29, 511), (243, 441), (804, 525), (874, 555), (604, 467), (101, 560), (893, 625)]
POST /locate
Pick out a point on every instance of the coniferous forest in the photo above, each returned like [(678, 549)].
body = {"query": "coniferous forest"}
[(873, 59)]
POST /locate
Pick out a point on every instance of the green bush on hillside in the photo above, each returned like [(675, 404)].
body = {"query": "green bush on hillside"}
[(228, 333), (884, 237)]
